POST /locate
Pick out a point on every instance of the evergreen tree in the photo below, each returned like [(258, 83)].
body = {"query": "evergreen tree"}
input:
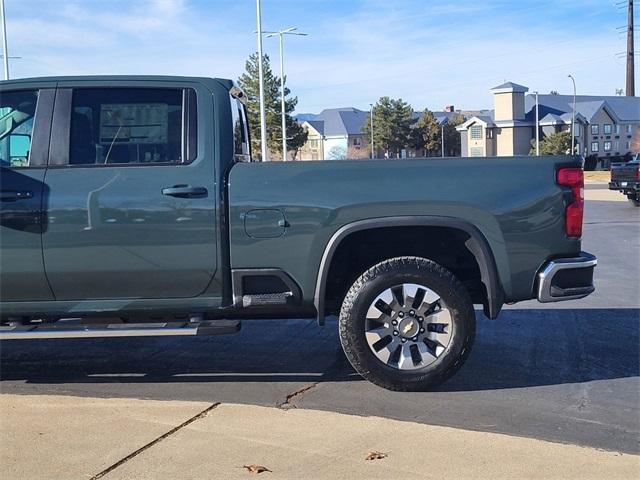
[(452, 139), (250, 84), (427, 133), (555, 144), (391, 126)]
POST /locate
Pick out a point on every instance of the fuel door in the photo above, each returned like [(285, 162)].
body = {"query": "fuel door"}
[(264, 223)]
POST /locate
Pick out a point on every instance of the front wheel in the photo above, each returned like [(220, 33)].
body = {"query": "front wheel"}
[(407, 324)]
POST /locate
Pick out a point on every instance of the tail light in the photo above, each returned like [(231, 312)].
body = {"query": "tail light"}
[(574, 179)]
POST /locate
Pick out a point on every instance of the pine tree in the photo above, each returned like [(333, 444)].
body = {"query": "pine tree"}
[(250, 84), (555, 144), (427, 133), (391, 126)]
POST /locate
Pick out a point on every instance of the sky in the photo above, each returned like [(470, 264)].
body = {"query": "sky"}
[(431, 53)]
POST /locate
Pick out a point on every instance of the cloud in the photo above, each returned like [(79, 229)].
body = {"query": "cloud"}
[(430, 53)]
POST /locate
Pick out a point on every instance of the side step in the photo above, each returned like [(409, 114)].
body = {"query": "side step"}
[(266, 299), (209, 327)]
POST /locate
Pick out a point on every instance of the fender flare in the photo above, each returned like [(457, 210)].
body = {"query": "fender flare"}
[(477, 244)]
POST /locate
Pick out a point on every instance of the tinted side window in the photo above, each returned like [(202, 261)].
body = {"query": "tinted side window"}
[(129, 126), (17, 112)]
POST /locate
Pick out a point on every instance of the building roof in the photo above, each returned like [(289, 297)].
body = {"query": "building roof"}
[(486, 119), (338, 122), (510, 87), (623, 109)]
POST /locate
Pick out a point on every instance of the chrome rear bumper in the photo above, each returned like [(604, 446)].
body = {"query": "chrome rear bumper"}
[(567, 278)]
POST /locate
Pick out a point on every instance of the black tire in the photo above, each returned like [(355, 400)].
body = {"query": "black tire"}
[(383, 276), (634, 200)]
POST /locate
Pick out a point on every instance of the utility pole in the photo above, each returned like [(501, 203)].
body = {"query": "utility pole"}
[(372, 149), (263, 120), (631, 87), (573, 116), (5, 56), (538, 127), (281, 34)]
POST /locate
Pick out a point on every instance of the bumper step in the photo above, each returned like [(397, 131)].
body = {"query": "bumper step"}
[(61, 330)]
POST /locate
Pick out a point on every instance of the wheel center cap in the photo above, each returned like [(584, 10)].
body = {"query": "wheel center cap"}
[(408, 327)]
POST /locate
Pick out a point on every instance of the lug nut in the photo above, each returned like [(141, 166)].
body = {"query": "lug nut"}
[(401, 314), (415, 339), (395, 332), (394, 322), (422, 330), (412, 313), (404, 340), (420, 319)]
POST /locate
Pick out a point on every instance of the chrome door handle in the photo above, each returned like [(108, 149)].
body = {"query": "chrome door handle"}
[(185, 191)]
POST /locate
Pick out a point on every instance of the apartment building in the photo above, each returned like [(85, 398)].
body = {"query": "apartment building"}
[(605, 125)]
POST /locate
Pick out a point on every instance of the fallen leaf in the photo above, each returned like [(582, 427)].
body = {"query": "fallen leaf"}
[(256, 469), (376, 456)]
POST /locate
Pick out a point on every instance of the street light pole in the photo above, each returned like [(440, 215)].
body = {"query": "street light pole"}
[(5, 56), (537, 126), (281, 34), (442, 138), (372, 149), (573, 117), (283, 111), (263, 120)]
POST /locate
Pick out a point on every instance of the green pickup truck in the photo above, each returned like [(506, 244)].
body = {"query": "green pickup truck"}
[(130, 206)]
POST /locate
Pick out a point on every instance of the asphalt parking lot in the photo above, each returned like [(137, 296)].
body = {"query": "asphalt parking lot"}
[(568, 372)]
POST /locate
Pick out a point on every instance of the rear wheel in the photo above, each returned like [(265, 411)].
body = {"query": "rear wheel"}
[(634, 200), (407, 324)]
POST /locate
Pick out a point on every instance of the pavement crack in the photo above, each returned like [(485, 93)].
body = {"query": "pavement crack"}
[(288, 403), (134, 454)]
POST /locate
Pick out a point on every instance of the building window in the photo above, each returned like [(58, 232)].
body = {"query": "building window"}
[(313, 143), (595, 129), (476, 132), (489, 133), (607, 129), (616, 129), (616, 146), (629, 129), (628, 146), (576, 129), (477, 152), (594, 146), (357, 142), (607, 146)]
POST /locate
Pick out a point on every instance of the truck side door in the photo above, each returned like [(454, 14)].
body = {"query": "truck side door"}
[(25, 120), (132, 204)]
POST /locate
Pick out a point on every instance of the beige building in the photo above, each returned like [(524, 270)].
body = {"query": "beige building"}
[(604, 129)]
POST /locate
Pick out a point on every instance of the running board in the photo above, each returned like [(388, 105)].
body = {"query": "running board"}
[(211, 327)]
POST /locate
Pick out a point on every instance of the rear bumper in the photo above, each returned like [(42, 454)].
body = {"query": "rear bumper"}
[(624, 186), (567, 278)]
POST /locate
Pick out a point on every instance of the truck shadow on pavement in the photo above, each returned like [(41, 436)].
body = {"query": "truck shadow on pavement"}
[(524, 348)]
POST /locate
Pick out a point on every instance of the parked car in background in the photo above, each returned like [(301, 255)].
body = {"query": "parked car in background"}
[(625, 177)]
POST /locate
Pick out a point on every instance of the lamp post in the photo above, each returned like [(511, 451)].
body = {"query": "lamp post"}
[(263, 120), (372, 149), (5, 56), (537, 126), (281, 34), (573, 116), (442, 138)]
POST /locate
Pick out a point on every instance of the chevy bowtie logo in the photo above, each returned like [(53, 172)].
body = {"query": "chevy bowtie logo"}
[(407, 328)]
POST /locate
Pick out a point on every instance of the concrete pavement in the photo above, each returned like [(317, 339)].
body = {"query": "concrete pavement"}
[(60, 437)]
